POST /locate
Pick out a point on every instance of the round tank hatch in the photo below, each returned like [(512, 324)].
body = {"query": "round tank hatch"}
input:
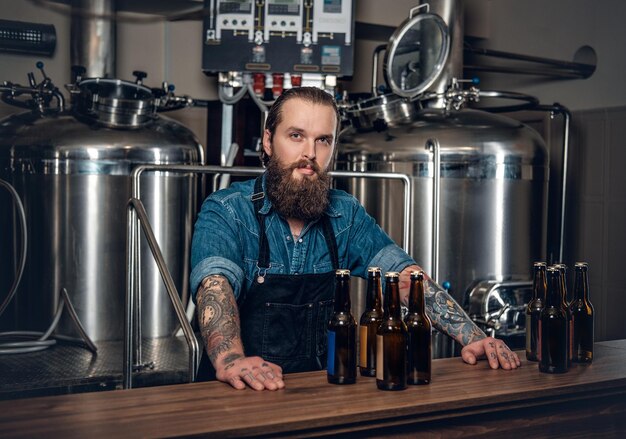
[(116, 103), (416, 54)]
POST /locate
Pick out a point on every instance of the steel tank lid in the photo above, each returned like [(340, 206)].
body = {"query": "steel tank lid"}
[(67, 136), (464, 136)]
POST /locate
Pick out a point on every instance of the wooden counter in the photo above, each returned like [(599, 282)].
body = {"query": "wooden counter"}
[(461, 401)]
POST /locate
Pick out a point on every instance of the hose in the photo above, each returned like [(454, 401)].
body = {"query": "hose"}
[(22, 262), (21, 342)]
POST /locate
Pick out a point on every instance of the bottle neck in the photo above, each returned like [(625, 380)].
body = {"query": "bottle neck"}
[(540, 284), (563, 287), (342, 295), (581, 292), (392, 299), (416, 296), (374, 293), (554, 293)]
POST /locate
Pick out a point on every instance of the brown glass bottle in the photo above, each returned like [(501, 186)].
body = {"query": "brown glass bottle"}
[(391, 340), (341, 367), (418, 327), (553, 343), (370, 321), (563, 271), (533, 310), (582, 317)]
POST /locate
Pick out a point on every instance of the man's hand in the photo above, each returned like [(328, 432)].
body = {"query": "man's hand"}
[(257, 373), (494, 350)]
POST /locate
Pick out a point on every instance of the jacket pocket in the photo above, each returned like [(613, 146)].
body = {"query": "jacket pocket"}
[(287, 331)]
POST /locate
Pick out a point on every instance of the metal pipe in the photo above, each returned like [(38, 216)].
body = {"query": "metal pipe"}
[(129, 310), (433, 145), (565, 74), (133, 245), (92, 37), (567, 116), (192, 341), (582, 70), (377, 50)]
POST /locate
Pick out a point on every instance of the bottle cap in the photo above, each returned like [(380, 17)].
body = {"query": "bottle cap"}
[(581, 265), (373, 269), (342, 272), (539, 264), (392, 274), (417, 273)]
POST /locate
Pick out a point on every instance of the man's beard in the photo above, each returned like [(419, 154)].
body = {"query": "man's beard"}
[(305, 198)]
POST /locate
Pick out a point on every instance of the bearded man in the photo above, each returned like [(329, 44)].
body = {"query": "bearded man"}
[(265, 251)]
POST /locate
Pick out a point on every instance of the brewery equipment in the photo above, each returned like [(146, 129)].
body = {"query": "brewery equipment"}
[(71, 167), (481, 214)]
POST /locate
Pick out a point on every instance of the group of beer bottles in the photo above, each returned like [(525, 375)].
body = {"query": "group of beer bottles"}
[(558, 333), (396, 351)]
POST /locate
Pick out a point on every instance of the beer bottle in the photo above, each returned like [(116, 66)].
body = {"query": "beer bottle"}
[(391, 340), (370, 321), (553, 343), (341, 332), (419, 332), (563, 272), (533, 310), (582, 317)]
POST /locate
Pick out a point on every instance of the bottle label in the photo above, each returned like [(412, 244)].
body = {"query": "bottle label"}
[(363, 346), (379, 357), (331, 352)]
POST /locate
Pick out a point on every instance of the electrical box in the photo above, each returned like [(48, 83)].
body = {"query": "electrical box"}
[(291, 36)]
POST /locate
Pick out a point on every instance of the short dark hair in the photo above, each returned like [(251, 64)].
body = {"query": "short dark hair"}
[(313, 95)]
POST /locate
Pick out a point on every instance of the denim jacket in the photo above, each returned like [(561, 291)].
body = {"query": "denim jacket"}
[(226, 240)]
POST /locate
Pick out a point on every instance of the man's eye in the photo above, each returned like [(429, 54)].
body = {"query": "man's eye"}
[(325, 140), (295, 135)]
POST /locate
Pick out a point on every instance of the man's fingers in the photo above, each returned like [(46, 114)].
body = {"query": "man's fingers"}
[(237, 383), (251, 380), (492, 355), (468, 356), (274, 374), (509, 357)]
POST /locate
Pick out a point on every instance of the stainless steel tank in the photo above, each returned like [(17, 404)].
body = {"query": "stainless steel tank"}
[(493, 170), (493, 191), (72, 170)]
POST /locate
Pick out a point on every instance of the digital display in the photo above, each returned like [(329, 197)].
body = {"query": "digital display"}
[(284, 2), (332, 6), (235, 6)]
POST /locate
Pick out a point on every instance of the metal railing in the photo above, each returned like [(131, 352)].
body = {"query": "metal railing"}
[(137, 217)]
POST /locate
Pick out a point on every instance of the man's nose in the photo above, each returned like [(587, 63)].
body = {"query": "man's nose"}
[(309, 150)]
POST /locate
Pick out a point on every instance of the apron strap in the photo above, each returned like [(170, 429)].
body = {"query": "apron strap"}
[(329, 236), (264, 250), (257, 199)]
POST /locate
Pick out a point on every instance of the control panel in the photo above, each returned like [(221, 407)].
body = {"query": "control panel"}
[(289, 36)]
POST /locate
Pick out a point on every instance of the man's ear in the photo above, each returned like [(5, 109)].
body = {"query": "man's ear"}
[(267, 144)]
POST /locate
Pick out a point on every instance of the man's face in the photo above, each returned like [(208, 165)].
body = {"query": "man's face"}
[(300, 153), (305, 135)]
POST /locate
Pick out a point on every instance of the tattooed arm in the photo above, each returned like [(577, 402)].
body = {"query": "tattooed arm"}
[(448, 317), (218, 319)]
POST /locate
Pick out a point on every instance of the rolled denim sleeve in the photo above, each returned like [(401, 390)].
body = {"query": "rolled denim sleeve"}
[(216, 246), (391, 258), (370, 246)]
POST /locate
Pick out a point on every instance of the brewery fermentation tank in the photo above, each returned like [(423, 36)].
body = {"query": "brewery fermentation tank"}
[(493, 189), (72, 170), (482, 214)]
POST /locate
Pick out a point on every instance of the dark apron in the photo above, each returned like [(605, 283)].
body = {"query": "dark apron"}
[(284, 317)]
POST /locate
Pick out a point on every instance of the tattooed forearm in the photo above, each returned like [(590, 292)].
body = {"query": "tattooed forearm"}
[(218, 319), (448, 316)]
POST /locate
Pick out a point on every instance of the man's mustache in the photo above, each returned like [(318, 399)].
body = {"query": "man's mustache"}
[(303, 163)]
